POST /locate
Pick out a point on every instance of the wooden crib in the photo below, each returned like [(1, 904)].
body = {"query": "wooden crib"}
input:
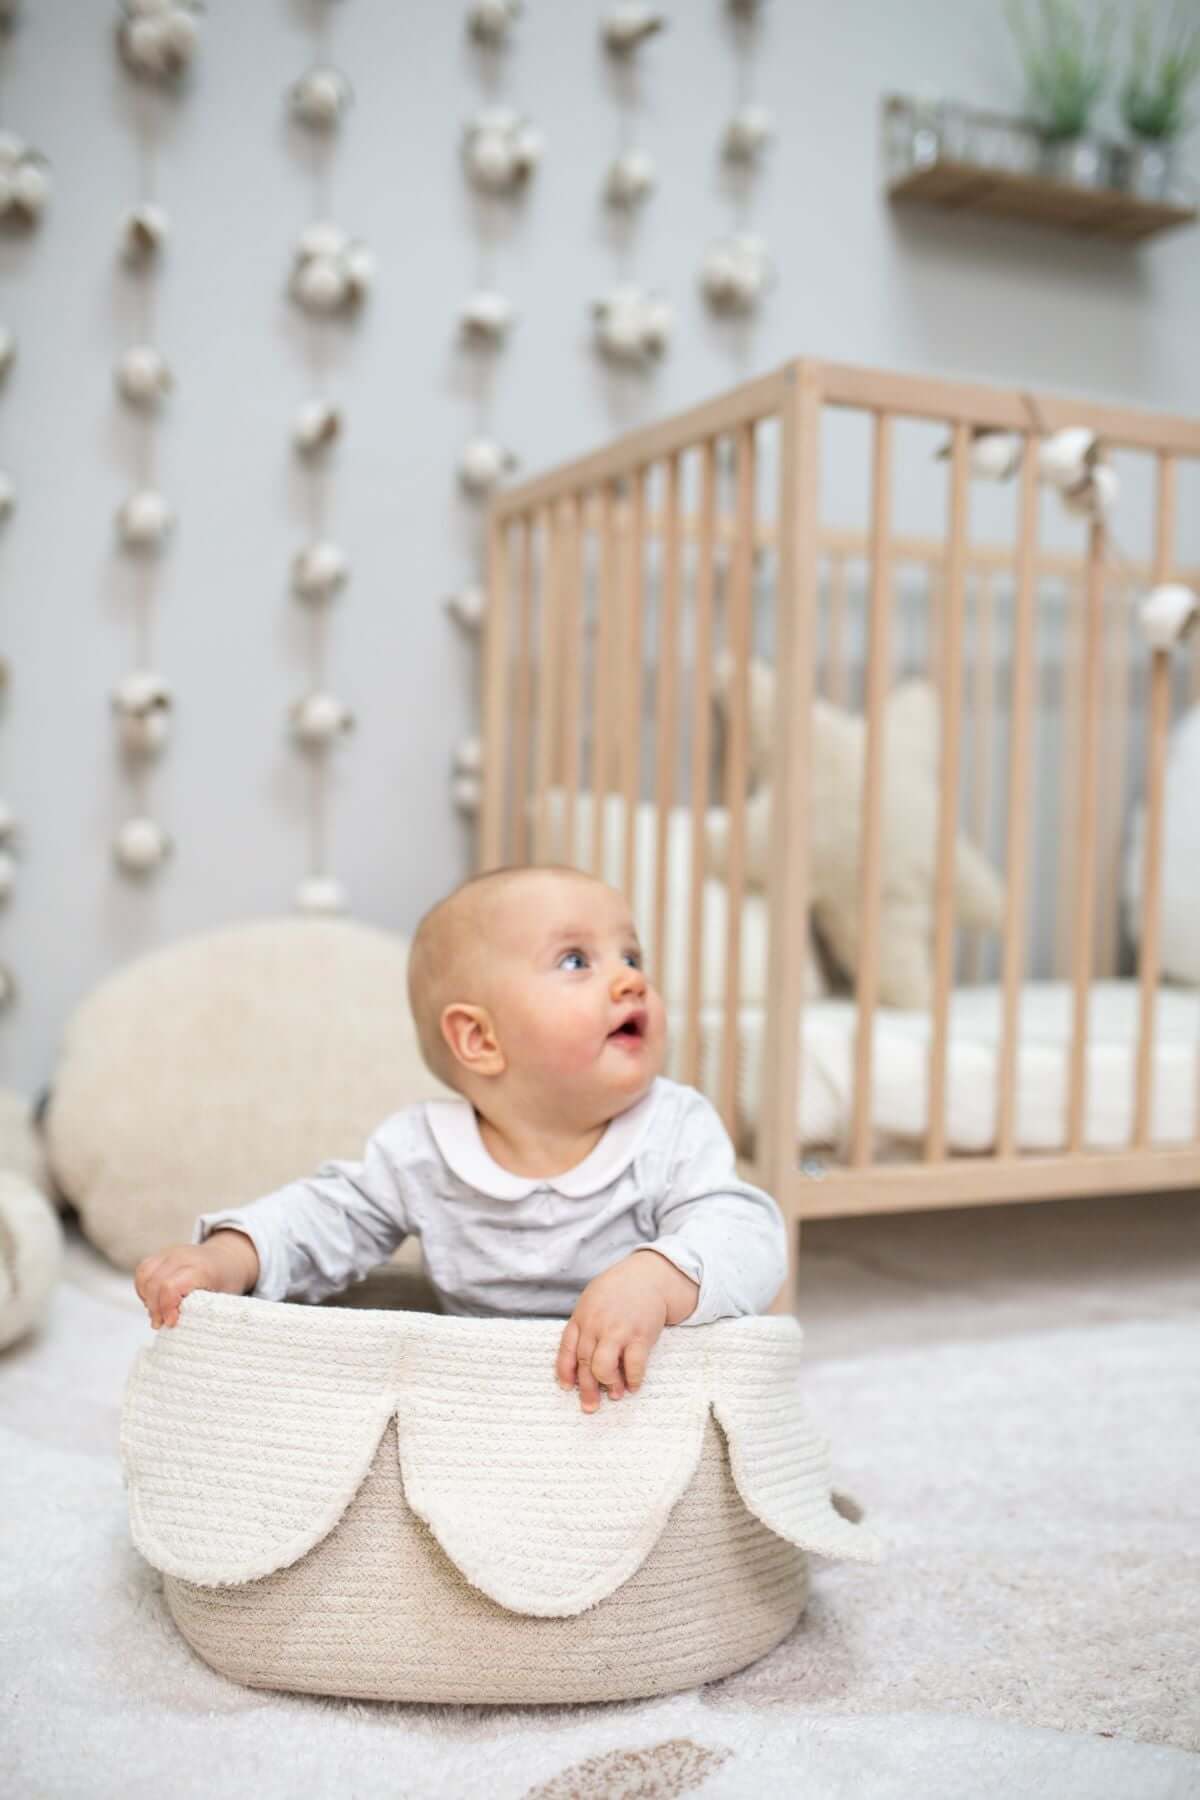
[(614, 580)]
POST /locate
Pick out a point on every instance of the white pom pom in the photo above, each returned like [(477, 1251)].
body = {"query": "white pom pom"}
[(318, 719), (8, 350), (143, 233), (735, 273), (320, 98), (491, 21), (631, 326), (748, 133), (317, 424), (491, 161), (500, 150), (487, 317), (143, 376), (141, 692), (468, 757), (1095, 496), (631, 178), (141, 845), (1065, 456), (1167, 614), (627, 26), (468, 606), (359, 267), (319, 571), (483, 463), (8, 495), (321, 894), (319, 285), (467, 793), (145, 520)]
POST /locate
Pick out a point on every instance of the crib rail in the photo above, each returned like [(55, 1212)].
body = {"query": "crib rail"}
[(631, 594)]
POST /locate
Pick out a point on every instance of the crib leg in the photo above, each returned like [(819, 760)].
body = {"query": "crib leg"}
[(786, 1299)]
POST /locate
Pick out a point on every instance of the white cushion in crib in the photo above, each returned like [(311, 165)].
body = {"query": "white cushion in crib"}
[(545, 1512)]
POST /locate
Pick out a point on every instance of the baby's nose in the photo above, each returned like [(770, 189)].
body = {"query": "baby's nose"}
[(629, 981)]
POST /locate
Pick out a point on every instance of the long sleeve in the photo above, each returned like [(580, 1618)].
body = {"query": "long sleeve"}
[(723, 1233), (322, 1233)]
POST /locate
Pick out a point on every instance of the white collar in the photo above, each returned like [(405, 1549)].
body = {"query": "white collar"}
[(456, 1132)]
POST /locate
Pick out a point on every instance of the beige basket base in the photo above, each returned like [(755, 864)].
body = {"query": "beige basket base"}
[(377, 1611)]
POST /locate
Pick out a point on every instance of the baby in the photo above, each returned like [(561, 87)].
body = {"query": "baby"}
[(570, 1179)]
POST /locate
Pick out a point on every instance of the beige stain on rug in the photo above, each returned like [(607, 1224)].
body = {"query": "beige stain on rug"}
[(663, 1772)]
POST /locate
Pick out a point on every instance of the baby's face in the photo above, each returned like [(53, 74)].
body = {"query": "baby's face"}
[(573, 1008)]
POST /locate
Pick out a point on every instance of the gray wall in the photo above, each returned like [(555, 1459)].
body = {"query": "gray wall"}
[(955, 296)]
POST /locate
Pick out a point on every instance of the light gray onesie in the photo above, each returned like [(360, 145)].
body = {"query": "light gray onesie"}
[(497, 1244)]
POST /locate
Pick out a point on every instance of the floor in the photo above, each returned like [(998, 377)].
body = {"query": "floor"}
[(1012, 1395)]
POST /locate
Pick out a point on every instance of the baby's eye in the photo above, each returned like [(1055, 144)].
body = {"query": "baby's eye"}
[(566, 953), (635, 958)]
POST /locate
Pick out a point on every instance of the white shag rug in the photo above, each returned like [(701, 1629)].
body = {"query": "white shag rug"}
[(1012, 1393)]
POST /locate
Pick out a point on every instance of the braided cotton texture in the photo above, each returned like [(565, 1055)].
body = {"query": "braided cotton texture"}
[(360, 1502), (378, 1611)]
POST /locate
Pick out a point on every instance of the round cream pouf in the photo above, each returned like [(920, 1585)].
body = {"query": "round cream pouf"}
[(219, 1068)]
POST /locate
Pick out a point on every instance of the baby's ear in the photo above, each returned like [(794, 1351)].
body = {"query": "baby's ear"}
[(472, 1039)]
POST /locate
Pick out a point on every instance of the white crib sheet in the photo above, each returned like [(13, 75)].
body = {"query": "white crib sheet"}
[(900, 1079)]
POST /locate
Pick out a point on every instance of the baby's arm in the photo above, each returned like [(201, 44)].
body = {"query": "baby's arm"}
[(226, 1264), (312, 1237), (721, 1252)]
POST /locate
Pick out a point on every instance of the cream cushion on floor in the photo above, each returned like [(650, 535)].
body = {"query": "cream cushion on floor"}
[(221, 1067)]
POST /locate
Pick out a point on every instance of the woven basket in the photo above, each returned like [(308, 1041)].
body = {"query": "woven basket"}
[(400, 1506)]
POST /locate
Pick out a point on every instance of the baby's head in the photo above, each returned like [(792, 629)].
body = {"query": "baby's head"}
[(529, 982)]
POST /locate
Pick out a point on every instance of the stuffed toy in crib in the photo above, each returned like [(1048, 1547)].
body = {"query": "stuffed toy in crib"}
[(589, 1478)]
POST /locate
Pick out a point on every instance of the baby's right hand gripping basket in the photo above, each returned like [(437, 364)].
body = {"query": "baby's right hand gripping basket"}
[(401, 1506)]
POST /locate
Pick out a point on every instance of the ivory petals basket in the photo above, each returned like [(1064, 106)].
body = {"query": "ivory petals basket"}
[(402, 1506)]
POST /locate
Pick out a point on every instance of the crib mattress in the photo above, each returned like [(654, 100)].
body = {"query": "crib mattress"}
[(900, 1082)]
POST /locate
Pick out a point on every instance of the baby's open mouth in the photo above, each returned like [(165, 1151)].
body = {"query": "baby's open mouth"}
[(633, 1027)]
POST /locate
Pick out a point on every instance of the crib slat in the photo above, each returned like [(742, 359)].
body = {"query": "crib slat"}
[(1119, 609), (1071, 654), (602, 677), (549, 679), (1016, 856), (572, 700), (983, 691), (837, 684), (667, 707), (736, 762), (701, 741), (1149, 937), (780, 1138), (1085, 864), (879, 668), (522, 698), (950, 686), (495, 697), (628, 677)]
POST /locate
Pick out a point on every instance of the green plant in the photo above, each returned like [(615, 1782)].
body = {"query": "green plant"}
[(1066, 61), (1152, 100)]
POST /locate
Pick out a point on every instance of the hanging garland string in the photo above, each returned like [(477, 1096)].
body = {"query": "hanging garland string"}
[(331, 277), (632, 325), (24, 193), (157, 49), (501, 151)]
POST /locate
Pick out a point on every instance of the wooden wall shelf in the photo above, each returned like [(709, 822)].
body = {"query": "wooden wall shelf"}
[(1099, 212)]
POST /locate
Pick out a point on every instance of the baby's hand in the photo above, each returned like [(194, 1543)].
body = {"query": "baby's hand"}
[(227, 1263), (619, 1318)]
